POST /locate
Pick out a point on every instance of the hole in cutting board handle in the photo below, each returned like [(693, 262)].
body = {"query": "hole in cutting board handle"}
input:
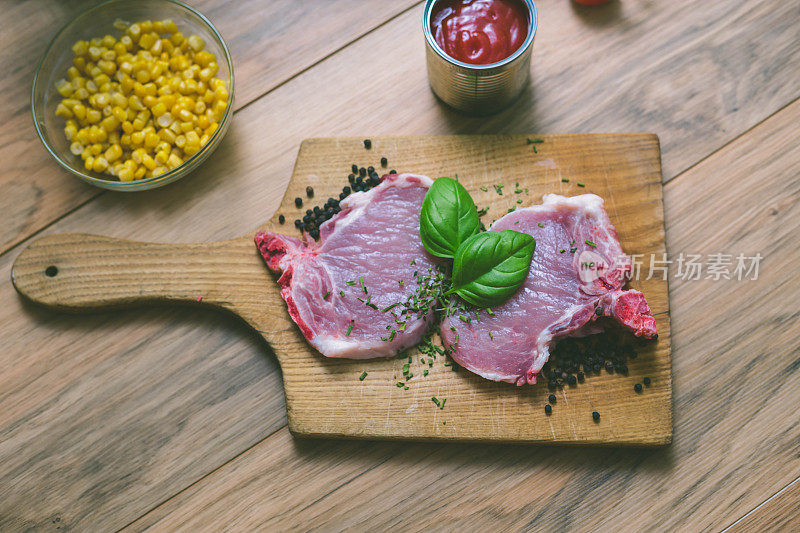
[(51, 271)]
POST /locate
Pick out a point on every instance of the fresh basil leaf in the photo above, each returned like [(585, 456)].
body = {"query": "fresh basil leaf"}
[(448, 217), (490, 267)]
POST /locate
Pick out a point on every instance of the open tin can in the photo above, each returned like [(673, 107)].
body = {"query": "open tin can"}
[(478, 89)]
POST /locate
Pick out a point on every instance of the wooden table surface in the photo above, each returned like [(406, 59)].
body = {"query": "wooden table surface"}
[(174, 417)]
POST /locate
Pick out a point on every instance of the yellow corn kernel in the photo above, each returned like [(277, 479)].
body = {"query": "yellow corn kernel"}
[(180, 141), (113, 137), (142, 76), (159, 109), (108, 41), (101, 134), (119, 114), (196, 43), (176, 38), (147, 40), (119, 100), (192, 138), (108, 67), (113, 153), (99, 164), (137, 138), (161, 157), (125, 139), (148, 162), (151, 139), (204, 139), (168, 136), (91, 86), (70, 131), (80, 48), (88, 162), (135, 103), (139, 174), (125, 174), (127, 126), (167, 47), (202, 121), (158, 171), (149, 101), (76, 148), (109, 124), (94, 52), (63, 111), (64, 88), (82, 136), (186, 127), (73, 73), (174, 161), (146, 25), (81, 94)]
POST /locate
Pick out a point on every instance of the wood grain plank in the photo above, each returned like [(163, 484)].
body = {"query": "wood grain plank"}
[(244, 182), (737, 376), (270, 42), (779, 513)]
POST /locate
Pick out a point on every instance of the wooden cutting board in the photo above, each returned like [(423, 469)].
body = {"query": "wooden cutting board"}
[(324, 397)]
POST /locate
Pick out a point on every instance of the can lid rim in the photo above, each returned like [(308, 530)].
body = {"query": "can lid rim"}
[(533, 23)]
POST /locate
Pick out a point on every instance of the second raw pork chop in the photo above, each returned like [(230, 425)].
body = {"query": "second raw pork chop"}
[(576, 276), (369, 257)]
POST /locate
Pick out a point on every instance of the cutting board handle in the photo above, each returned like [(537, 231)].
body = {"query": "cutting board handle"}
[(72, 271)]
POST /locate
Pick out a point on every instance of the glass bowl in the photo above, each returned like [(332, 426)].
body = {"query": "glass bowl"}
[(96, 22)]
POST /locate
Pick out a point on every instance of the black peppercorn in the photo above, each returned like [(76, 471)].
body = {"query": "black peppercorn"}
[(362, 172), (384, 161), (352, 177), (646, 381), (317, 210), (281, 219), (310, 191), (548, 409), (314, 233), (346, 190), (298, 202), (581, 377), (392, 172), (596, 416), (609, 366), (342, 196), (572, 380), (370, 170), (297, 223), (367, 144), (551, 398), (638, 387)]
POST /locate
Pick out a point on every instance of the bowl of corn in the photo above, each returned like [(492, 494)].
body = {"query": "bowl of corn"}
[(133, 94)]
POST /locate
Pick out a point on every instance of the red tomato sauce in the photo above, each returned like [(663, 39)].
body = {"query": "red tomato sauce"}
[(479, 31)]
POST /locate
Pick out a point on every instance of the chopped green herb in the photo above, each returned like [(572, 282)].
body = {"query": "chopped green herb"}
[(413, 262), (541, 224), (453, 329), (519, 200), (463, 318), (535, 151), (361, 281), (405, 388), (406, 367), (573, 250), (490, 335), (390, 307), (400, 384), (564, 180), (561, 251), (499, 188), (580, 184), (590, 243), (341, 293), (483, 211), (518, 190), (489, 310), (349, 329), (351, 282), (435, 400), (424, 372), (362, 376), (441, 405), (535, 141), (401, 282), (484, 188), (326, 295)]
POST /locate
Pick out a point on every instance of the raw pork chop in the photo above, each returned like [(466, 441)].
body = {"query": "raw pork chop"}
[(375, 238), (576, 276)]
